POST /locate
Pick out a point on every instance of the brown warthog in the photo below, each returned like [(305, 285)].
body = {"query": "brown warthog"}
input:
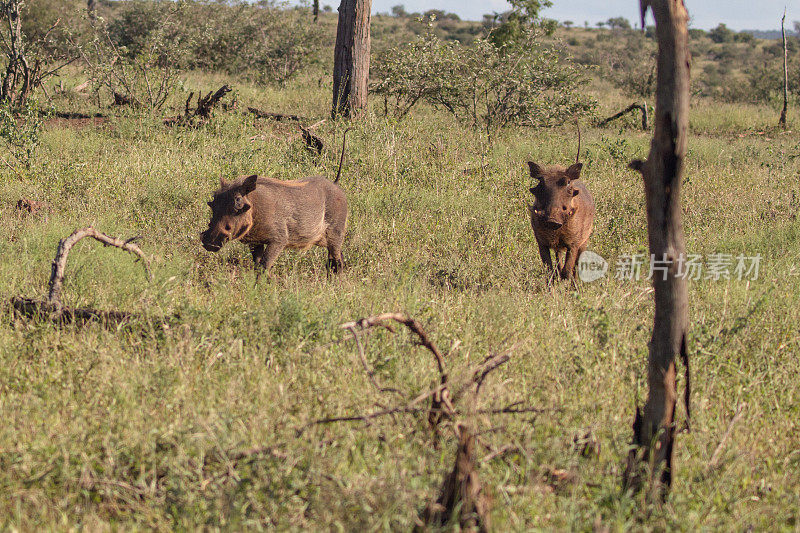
[(561, 215), (270, 215)]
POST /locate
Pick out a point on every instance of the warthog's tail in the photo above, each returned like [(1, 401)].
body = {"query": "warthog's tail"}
[(341, 158)]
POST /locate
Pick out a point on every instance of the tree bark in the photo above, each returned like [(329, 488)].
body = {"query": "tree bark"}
[(654, 427), (315, 10), (351, 58), (782, 120)]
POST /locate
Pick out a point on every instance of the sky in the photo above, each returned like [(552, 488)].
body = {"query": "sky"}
[(706, 14)]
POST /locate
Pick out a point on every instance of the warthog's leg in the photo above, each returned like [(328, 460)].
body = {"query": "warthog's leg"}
[(265, 255), (271, 253), (544, 253), (568, 271), (257, 250), (335, 262)]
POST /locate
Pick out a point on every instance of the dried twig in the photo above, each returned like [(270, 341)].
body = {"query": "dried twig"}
[(718, 451), (370, 373)]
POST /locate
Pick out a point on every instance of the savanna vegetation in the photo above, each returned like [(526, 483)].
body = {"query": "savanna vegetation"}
[(197, 410)]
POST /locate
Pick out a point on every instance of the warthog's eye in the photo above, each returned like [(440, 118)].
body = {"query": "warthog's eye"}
[(564, 207), (227, 227)]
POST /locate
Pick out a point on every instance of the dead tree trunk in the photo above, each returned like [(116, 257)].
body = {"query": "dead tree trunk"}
[(654, 427), (315, 10), (91, 9), (351, 58), (782, 120)]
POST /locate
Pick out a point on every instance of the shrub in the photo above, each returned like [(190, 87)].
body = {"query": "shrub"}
[(484, 85), (141, 69), (19, 129), (262, 41)]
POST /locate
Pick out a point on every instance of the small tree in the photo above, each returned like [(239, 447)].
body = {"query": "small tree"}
[(30, 54), (523, 16), (145, 73), (721, 34), (782, 120), (568, 24), (618, 23)]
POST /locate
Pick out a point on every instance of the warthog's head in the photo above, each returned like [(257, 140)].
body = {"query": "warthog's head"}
[(231, 215), (554, 194)]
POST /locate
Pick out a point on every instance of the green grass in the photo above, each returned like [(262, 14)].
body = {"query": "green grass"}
[(109, 428)]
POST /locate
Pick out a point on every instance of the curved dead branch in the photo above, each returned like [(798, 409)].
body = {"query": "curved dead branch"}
[(64, 247)]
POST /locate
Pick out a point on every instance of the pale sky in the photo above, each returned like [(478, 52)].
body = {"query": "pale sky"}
[(737, 14)]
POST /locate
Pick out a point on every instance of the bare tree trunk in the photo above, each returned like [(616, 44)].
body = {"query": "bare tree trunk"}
[(315, 10), (782, 120), (91, 9), (654, 427), (351, 58)]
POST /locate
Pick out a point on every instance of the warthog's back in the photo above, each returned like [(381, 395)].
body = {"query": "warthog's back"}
[(297, 212)]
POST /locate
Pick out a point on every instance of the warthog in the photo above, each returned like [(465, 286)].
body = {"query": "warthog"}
[(561, 215), (270, 215)]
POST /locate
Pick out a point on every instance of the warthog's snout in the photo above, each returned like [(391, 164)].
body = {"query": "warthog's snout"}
[(551, 224), (212, 245)]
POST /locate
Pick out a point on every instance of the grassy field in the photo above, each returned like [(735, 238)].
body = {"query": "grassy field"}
[(140, 426)]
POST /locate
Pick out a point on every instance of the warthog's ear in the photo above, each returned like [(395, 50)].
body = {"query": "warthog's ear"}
[(249, 184), (574, 171), (535, 170)]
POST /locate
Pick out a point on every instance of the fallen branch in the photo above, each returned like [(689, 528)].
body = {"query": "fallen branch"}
[(641, 107), (276, 116), (441, 407), (52, 305), (206, 104), (313, 143), (64, 247), (202, 111)]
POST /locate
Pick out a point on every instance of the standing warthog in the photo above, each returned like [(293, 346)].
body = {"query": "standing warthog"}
[(562, 215), (270, 215)]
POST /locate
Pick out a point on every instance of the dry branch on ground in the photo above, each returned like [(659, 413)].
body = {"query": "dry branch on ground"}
[(52, 306)]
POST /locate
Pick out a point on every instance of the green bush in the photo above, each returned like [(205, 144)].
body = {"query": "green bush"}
[(262, 41), (19, 129), (266, 42), (139, 65), (484, 85)]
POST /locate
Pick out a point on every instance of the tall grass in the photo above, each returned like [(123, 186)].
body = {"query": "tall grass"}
[(134, 427)]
